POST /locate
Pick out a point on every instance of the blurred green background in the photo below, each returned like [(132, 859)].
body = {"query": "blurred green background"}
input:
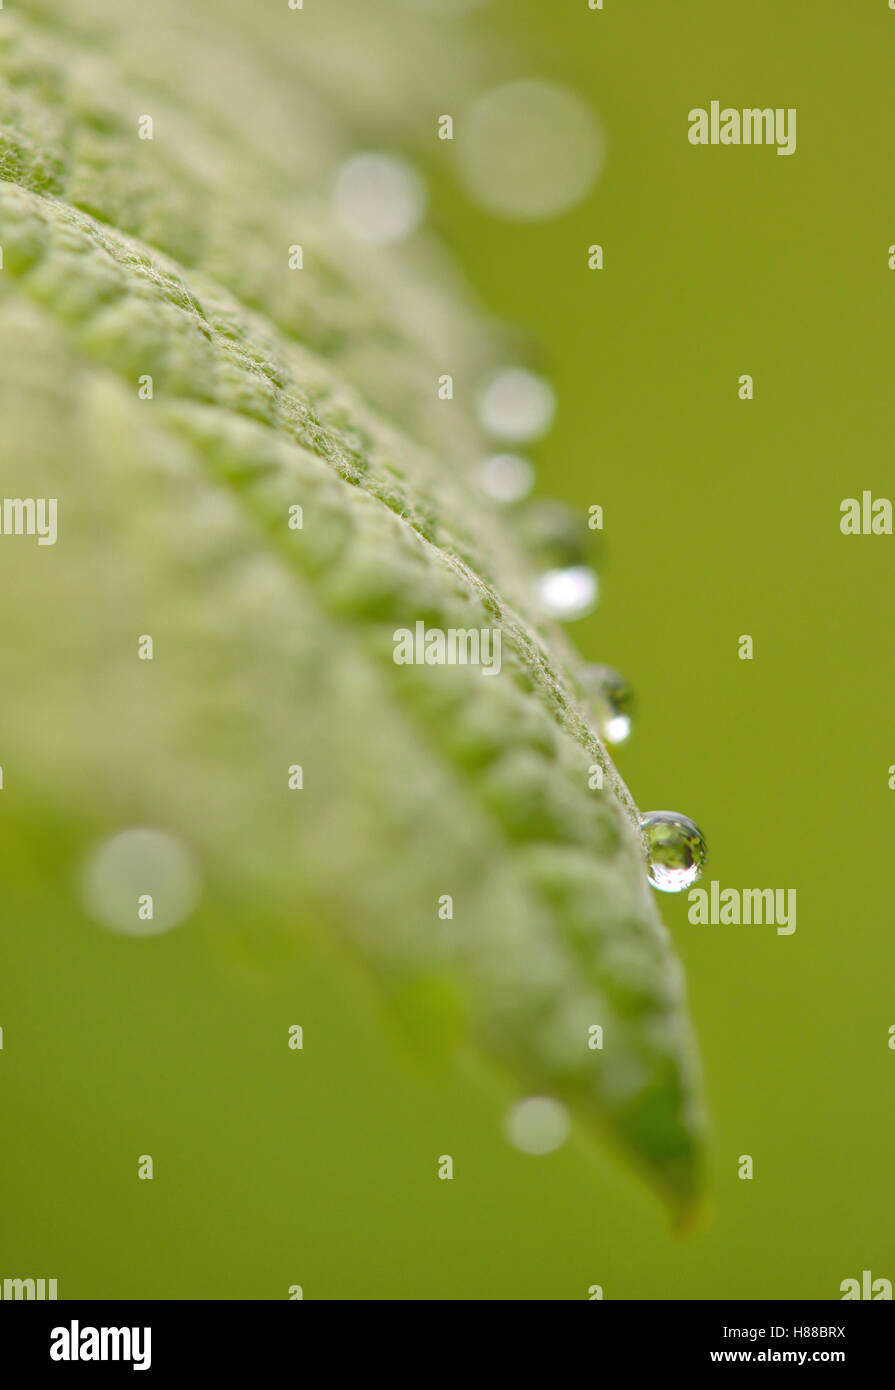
[(721, 518)]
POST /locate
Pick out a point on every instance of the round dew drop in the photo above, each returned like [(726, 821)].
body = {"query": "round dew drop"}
[(615, 700), (676, 850), (567, 594), (553, 535)]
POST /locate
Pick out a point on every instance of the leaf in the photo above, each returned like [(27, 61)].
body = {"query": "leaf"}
[(274, 646)]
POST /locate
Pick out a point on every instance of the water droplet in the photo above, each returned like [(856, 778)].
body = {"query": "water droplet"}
[(538, 1125), (506, 477), (612, 693), (554, 535), (676, 850), (568, 594), (516, 405), (134, 865), (529, 150), (379, 198)]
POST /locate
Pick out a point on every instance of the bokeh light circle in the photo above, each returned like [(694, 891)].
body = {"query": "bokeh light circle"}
[(529, 150)]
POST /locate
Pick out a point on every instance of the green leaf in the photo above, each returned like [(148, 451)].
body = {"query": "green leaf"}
[(273, 388)]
